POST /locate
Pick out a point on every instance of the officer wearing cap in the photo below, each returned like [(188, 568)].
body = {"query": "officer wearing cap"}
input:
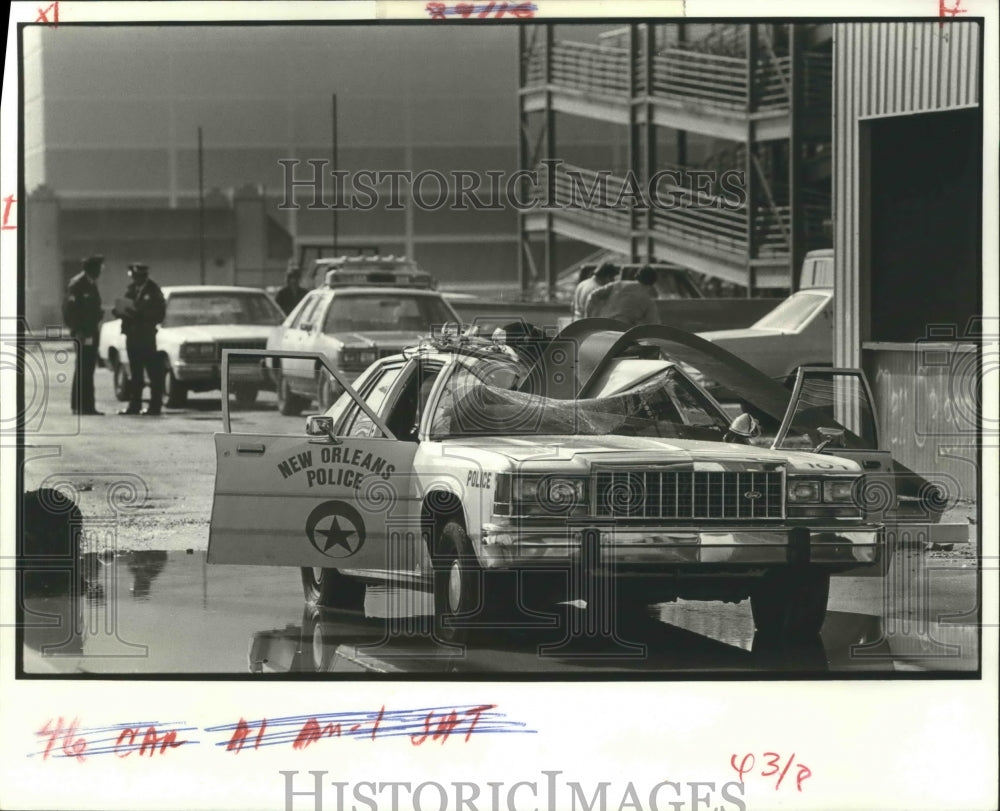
[(82, 313), (141, 309)]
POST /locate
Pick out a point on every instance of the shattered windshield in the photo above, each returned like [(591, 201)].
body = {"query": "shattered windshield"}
[(665, 405)]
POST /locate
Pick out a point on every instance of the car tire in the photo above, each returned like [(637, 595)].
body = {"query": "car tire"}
[(289, 405), (174, 392), (790, 604), (325, 396), (122, 381), (245, 394), (328, 588), (458, 584)]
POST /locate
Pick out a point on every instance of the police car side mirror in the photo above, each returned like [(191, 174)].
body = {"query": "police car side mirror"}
[(321, 425)]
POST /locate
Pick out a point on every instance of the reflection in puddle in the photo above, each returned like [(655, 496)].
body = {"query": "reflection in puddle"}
[(156, 612)]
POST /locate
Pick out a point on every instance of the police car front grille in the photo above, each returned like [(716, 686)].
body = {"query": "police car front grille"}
[(673, 495)]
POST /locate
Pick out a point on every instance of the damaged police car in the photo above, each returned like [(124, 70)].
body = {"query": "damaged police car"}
[(587, 467)]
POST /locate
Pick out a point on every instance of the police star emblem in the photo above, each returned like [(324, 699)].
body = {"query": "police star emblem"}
[(335, 529)]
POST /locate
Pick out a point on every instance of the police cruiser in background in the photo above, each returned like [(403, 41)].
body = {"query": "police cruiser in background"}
[(368, 308)]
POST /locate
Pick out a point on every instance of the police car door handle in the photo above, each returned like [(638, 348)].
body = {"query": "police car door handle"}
[(256, 450)]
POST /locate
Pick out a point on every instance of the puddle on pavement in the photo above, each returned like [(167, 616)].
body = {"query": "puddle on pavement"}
[(171, 613)]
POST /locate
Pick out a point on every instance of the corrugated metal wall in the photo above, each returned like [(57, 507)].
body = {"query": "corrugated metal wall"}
[(927, 416), (885, 69)]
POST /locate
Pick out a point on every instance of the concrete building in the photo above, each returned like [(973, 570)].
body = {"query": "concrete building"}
[(111, 146)]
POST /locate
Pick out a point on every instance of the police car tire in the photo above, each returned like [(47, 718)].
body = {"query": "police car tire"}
[(328, 588), (175, 392), (790, 604), (458, 581), (289, 405), (122, 381), (245, 394)]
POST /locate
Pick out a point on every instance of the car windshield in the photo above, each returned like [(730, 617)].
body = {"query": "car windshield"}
[(196, 309), (793, 312), (384, 312), (665, 405)]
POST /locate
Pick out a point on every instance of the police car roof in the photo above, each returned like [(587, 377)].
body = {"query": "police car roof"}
[(210, 288), (381, 290)]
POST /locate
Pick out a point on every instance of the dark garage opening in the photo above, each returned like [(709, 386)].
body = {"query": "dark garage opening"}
[(925, 181)]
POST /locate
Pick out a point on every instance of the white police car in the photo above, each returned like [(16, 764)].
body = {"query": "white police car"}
[(498, 475), (366, 310)]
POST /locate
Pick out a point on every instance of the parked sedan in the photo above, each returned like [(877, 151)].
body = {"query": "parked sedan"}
[(201, 321)]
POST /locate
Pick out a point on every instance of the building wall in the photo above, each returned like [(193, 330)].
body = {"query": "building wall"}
[(883, 69), (114, 112), (926, 391)]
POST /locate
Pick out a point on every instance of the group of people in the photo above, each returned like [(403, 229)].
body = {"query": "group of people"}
[(141, 310), (631, 302)]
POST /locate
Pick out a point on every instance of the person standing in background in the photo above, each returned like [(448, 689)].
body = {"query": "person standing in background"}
[(82, 313), (141, 310), (291, 294), (632, 303), (602, 276)]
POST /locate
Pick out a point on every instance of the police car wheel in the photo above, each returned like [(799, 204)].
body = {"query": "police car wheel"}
[(122, 381), (175, 391), (328, 588), (289, 405), (457, 583), (790, 604), (245, 394)]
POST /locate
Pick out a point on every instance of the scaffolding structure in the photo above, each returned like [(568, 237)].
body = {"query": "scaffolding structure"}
[(760, 94)]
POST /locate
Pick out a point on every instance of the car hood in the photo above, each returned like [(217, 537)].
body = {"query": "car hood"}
[(547, 452), (728, 335), (218, 332), (379, 338), (598, 341)]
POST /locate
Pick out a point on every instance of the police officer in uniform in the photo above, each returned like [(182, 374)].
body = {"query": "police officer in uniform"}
[(82, 313), (141, 309)]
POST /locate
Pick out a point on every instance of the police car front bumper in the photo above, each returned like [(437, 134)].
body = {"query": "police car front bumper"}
[(668, 547)]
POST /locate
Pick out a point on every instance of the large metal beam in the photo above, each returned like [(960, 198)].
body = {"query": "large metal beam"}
[(550, 154), (797, 238), (751, 183)]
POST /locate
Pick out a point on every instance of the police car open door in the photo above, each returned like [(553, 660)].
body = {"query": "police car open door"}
[(290, 491)]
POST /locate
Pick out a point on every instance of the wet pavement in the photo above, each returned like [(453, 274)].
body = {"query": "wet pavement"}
[(155, 612)]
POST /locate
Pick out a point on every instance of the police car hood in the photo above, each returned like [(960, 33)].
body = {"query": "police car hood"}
[(555, 453), (218, 332), (390, 339)]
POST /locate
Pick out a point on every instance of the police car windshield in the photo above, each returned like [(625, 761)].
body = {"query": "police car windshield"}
[(197, 309), (665, 405), (384, 312)]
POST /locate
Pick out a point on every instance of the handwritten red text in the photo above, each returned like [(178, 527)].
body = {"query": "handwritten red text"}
[(747, 764)]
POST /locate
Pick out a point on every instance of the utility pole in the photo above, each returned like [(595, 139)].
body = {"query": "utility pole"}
[(333, 143), (201, 207)]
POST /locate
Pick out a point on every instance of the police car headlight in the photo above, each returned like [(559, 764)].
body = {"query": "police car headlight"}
[(841, 490), (359, 357), (540, 495), (197, 351), (803, 491), (562, 493)]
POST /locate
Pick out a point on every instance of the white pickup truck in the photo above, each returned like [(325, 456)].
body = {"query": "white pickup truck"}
[(200, 321)]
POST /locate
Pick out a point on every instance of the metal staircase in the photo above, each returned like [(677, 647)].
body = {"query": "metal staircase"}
[(753, 86)]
